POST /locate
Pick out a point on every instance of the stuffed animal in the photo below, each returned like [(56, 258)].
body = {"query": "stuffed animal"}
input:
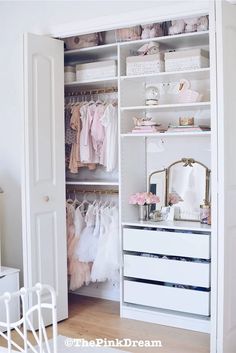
[(202, 23), (191, 24), (151, 31), (177, 27), (188, 25), (149, 49)]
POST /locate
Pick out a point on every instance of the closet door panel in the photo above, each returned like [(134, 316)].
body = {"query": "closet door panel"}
[(44, 229), (226, 78)]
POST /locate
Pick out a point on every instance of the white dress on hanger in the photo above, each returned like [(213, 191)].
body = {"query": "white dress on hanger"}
[(109, 150), (107, 261), (87, 246), (113, 246), (87, 154)]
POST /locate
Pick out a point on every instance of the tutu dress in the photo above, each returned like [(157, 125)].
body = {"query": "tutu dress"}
[(106, 263), (79, 271), (87, 246)]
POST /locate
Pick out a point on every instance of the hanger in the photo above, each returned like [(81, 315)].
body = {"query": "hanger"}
[(76, 201)]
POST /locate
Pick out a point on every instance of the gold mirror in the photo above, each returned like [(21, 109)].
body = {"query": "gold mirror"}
[(184, 184)]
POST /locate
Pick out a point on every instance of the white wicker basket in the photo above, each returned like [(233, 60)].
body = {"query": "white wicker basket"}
[(186, 60), (147, 64)]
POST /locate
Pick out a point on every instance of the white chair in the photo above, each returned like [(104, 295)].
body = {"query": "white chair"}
[(25, 324)]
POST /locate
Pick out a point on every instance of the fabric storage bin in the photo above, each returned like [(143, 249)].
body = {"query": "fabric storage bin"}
[(186, 60), (169, 298), (96, 70), (145, 64), (167, 243), (83, 41), (69, 74), (188, 273)]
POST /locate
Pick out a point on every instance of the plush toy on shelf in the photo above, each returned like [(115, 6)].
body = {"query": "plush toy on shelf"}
[(149, 49), (191, 24), (177, 27), (202, 23), (151, 31), (186, 94)]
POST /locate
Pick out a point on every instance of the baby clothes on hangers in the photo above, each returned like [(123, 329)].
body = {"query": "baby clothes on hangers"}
[(75, 156)]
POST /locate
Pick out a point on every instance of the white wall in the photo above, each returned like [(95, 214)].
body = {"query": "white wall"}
[(17, 17)]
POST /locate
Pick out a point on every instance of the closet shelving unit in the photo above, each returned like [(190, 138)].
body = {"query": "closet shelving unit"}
[(141, 154), (149, 290)]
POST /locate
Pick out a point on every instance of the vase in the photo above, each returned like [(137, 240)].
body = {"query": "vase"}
[(144, 212)]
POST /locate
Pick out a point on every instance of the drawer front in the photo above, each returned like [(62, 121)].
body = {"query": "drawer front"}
[(10, 283), (164, 270), (167, 243), (163, 297)]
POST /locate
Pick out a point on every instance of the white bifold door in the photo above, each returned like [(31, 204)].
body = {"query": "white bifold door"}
[(44, 221), (226, 96)]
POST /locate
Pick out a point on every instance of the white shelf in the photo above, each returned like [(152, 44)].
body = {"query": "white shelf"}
[(175, 41), (92, 183), (168, 134), (105, 51), (102, 82), (185, 106), (163, 77), (186, 39), (181, 225)]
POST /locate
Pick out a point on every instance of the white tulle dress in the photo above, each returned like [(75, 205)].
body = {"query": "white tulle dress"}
[(79, 271), (86, 250), (106, 263)]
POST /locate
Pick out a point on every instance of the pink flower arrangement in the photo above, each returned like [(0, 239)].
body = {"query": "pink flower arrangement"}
[(143, 198)]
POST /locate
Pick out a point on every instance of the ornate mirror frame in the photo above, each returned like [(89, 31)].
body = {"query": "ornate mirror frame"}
[(185, 162)]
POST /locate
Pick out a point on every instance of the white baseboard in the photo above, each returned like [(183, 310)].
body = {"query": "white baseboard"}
[(104, 290), (166, 318)]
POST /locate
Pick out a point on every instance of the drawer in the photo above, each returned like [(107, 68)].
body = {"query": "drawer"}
[(167, 243), (165, 270), (10, 283), (163, 297)]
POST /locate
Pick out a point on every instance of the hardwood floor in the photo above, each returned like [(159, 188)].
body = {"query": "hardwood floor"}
[(91, 318)]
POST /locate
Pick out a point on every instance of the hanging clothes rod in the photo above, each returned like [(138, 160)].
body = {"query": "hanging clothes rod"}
[(94, 191), (91, 92)]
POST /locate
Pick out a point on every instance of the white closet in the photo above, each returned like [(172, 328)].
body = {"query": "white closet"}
[(212, 310)]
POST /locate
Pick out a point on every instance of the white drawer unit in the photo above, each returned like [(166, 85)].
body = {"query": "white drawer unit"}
[(9, 282), (170, 298), (165, 270), (167, 243)]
